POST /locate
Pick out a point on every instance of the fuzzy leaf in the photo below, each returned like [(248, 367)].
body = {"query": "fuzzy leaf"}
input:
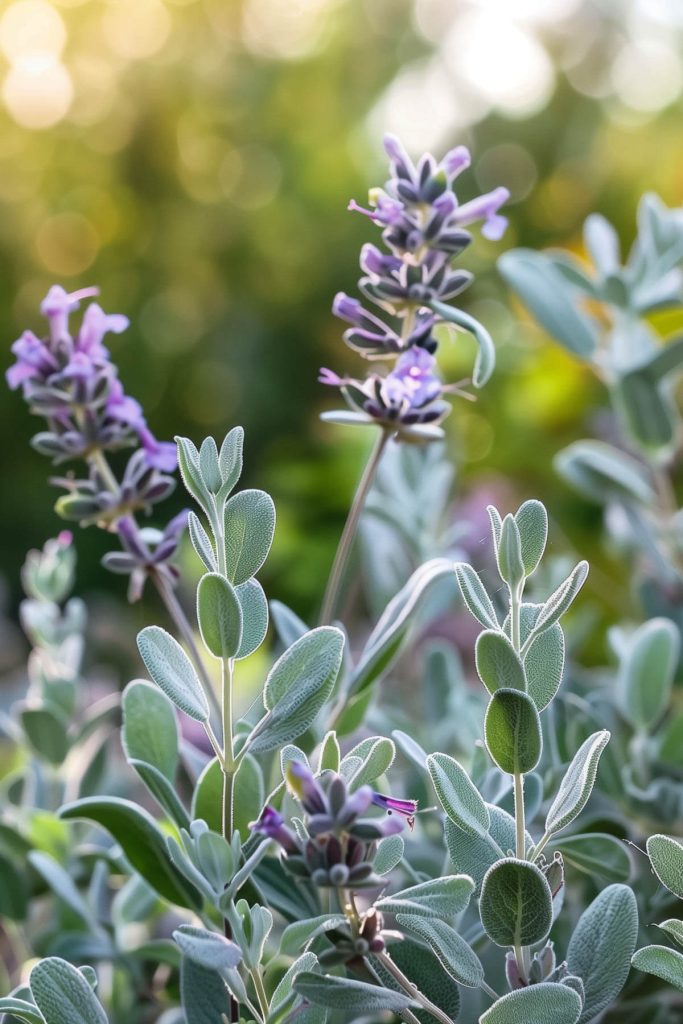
[(544, 665), (249, 529), (666, 857), (254, 617), (485, 361), (172, 671), (208, 465), (532, 523), (439, 897), (219, 614), (201, 542), (516, 905), (230, 460), (539, 1004), (63, 995), (46, 731), (188, 464), (598, 854), (455, 956), (389, 854), (601, 948), (661, 961), (509, 553), (204, 994), (559, 601), (208, 949), (647, 671), (513, 731), (498, 664), (458, 795), (376, 754), (21, 1009), (142, 842), (602, 473), (674, 929), (299, 934), (577, 784), (150, 729), (353, 997), (474, 595)]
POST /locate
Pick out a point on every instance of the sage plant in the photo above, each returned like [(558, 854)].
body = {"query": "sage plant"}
[(313, 861)]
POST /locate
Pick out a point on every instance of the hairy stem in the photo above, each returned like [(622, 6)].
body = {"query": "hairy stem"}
[(520, 824), (348, 535), (228, 748)]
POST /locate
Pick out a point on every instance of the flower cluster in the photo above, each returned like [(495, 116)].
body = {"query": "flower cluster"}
[(70, 380), (423, 229), (339, 845)]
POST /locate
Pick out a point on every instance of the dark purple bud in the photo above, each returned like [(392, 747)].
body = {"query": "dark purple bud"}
[(347, 308), (303, 784), (392, 805), (272, 824)]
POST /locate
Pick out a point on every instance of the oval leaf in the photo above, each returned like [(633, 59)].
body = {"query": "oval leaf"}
[(532, 523), (538, 1004), (516, 905), (474, 595), (666, 857), (577, 784), (172, 671), (150, 729), (354, 997), (254, 617), (498, 664), (513, 731), (63, 995), (663, 962), (455, 956), (458, 795), (249, 529), (219, 614), (208, 949)]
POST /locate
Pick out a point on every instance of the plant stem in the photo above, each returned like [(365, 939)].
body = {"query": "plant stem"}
[(411, 989), (520, 826), (228, 747), (346, 541), (260, 991), (515, 609)]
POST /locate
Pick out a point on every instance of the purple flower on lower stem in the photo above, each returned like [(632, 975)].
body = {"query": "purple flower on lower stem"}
[(393, 805), (146, 552)]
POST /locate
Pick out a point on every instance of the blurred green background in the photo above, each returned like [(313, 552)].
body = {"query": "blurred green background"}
[(195, 157)]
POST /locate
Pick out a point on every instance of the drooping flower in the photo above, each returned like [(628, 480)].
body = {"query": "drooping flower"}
[(394, 805)]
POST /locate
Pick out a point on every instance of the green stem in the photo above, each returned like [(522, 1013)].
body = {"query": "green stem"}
[(520, 824), (348, 535), (228, 748), (515, 611), (261, 994)]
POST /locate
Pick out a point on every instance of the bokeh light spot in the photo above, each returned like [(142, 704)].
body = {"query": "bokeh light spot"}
[(67, 244), (37, 91), (31, 27)]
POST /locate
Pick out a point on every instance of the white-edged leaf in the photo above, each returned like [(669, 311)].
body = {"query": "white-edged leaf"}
[(172, 671), (577, 784)]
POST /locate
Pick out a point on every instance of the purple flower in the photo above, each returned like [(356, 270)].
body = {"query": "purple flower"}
[(161, 455), (305, 787), (272, 824), (393, 805), (485, 208)]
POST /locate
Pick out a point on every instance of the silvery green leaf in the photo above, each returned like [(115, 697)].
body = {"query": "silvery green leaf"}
[(577, 784), (142, 842), (532, 523), (150, 730), (498, 663), (353, 997), (172, 671), (440, 897), (249, 528), (204, 994), (201, 542), (249, 794), (474, 855), (346, 417), (410, 748), (63, 995), (45, 728), (458, 795), (516, 905), (219, 614), (509, 553), (208, 795), (423, 969), (673, 928), (602, 472), (538, 1004), (647, 672), (288, 626), (389, 854), (663, 962), (21, 1010), (297, 686), (385, 641), (376, 754), (485, 362), (552, 301), (208, 465), (299, 934), (496, 523), (456, 957), (666, 857), (512, 729), (601, 948), (544, 664), (559, 601), (162, 789), (230, 460), (647, 410), (208, 949), (254, 617), (283, 993), (474, 595), (330, 755), (62, 885), (598, 854), (188, 464), (602, 243)]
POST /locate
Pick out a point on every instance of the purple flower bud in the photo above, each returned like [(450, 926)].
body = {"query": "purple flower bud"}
[(455, 161), (401, 162), (303, 784), (272, 824), (347, 309), (161, 455), (58, 304), (393, 805)]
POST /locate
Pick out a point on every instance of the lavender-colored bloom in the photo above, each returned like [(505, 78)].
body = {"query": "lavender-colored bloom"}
[(272, 824), (146, 552), (72, 382), (485, 208), (306, 788), (393, 805)]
